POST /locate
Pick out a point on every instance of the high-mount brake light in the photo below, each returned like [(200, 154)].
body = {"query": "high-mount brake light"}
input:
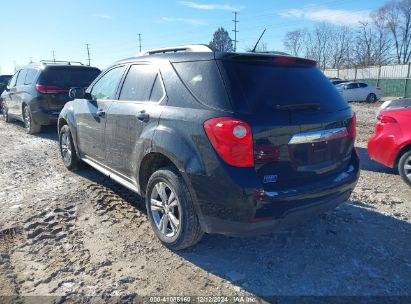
[(294, 61)]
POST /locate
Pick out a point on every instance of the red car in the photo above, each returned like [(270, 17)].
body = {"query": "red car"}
[(390, 144)]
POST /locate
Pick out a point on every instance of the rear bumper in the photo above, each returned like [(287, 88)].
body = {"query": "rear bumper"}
[(383, 148), (45, 117), (230, 210), (291, 217)]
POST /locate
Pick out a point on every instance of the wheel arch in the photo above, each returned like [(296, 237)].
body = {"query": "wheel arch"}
[(153, 161), (150, 163), (67, 119), (404, 149)]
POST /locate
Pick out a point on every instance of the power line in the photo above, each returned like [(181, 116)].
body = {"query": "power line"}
[(235, 30), (88, 55), (139, 40)]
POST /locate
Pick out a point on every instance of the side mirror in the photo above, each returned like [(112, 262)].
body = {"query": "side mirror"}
[(77, 93), (7, 88), (88, 96)]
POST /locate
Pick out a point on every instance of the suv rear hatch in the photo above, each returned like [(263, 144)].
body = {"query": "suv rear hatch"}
[(303, 130), (55, 82)]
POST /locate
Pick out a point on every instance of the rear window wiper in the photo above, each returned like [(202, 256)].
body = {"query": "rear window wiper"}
[(297, 106)]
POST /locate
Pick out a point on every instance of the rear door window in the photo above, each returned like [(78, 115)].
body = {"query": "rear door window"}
[(363, 85), (21, 78), (68, 76), (30, 76), (13, 79), (258, 86), (142, 83)]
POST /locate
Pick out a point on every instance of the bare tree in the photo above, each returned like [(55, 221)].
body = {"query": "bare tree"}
[(383, 43), (262, 47), (222, 41), (363, 46), (318, 44), (294, 41), (397, 17), (341, 43)]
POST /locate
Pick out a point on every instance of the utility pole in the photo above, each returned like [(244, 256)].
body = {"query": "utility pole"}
[(139, 40), (88, 55), (235, 30), (31, 59), (54, 57), (15, 66)]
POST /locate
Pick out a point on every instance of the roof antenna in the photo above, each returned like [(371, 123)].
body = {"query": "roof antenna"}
[(258, 41)]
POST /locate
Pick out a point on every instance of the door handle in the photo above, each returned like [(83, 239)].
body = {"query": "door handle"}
[(143, 116), (101, 113)]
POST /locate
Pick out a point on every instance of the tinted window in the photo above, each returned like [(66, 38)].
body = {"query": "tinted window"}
[(263, 85), (157, 92), (363, 85), (204, 81), (13, 80), (351, 86), (68, 76), (142, 83), (22, 76), (30, 76), (5, 79), (106, 86)]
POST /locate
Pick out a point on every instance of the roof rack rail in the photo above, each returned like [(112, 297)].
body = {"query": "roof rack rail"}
[(181, 48), (60, 62)]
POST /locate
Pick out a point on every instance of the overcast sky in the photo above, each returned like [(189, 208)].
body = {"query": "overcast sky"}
[(33, 29)]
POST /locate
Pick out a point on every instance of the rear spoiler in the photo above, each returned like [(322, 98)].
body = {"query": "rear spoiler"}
[(278, 60)]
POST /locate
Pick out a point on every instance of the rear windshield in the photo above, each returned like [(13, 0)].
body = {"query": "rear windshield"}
[(66, 77), (400, 103), (261, 86), (5, 79)]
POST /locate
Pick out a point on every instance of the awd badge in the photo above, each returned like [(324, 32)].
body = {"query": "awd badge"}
[(270, 179)]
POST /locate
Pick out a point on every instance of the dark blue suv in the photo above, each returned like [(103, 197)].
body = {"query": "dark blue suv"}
[(227, 143), (37, 92)]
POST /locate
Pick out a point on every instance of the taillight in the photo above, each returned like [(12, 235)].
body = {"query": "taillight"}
[(232, 139), (352, 127), (386, 119), (46, 89)]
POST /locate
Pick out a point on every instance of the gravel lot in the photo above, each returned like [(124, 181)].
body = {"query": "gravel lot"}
[(66, 234)]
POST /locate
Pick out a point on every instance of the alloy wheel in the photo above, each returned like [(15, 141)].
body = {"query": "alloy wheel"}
[(4, 113), (66, 147), (27, 118), (165, 209), (407, 168)]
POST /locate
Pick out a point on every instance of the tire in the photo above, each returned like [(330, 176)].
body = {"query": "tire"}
[(184, 230), (404, 167), (371, 98), (5, 115), (30, 125), (67, 149)]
